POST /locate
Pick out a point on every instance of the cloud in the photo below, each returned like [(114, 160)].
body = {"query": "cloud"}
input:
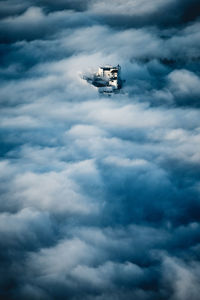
[(34, 23), (184, 84), (99, 195), (12, 8), (142, 13), (77, 5), (130, 7), (185, 278)]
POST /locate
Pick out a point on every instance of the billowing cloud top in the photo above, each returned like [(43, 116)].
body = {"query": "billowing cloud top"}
[(100, 196)]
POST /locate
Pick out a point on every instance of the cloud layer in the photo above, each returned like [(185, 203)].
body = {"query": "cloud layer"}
[(100, 196)]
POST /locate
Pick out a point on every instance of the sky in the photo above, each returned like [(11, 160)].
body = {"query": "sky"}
[(100, 196)]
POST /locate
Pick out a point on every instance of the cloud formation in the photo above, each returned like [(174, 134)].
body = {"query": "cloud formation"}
[(100, 196)]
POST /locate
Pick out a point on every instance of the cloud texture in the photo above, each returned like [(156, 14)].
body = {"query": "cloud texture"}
[(100, 196)]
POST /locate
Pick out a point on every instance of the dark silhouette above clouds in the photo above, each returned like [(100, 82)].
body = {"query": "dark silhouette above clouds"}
[(100, 196)]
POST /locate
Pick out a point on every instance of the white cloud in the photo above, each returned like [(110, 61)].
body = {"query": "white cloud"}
[(184, 83), (183, 278), (130, 7)]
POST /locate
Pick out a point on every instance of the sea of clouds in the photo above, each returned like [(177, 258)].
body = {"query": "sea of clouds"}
[(100, 196)]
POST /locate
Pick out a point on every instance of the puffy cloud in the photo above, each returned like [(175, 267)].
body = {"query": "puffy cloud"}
[(184, 83), (134, 7), (140, 13), (100, 195), (34, 23), (183, 278)]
